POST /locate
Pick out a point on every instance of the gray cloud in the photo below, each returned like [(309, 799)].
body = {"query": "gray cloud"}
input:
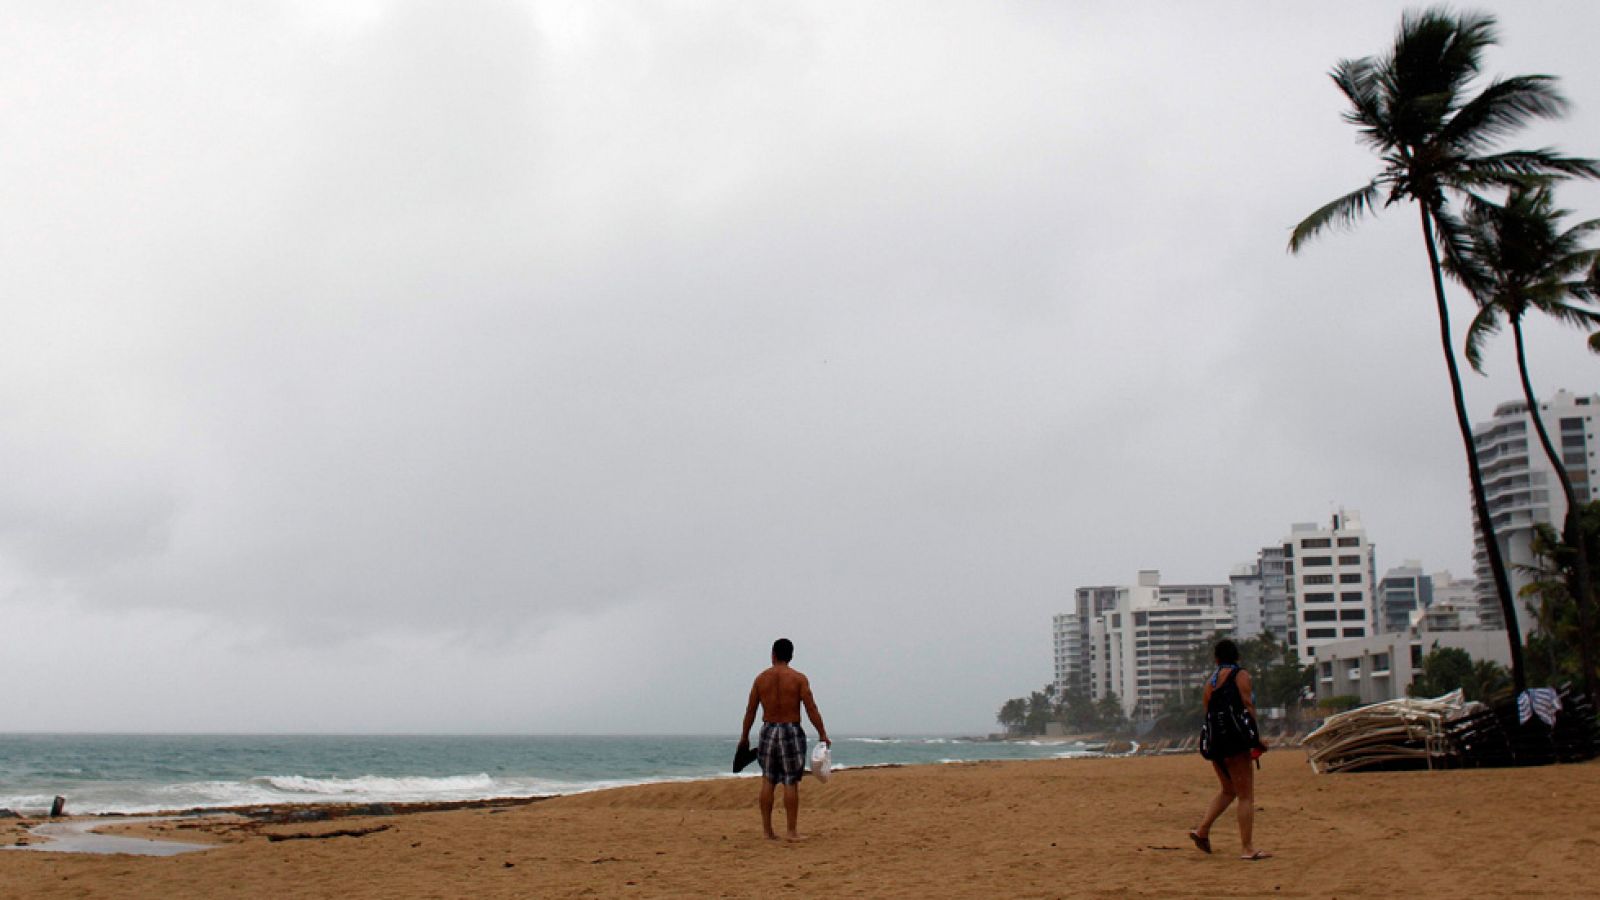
[(530, 367)]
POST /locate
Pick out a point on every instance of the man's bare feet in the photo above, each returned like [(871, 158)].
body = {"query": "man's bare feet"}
[(771, 835)]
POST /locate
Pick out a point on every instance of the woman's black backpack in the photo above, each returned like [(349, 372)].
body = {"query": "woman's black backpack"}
[(1229, 729)]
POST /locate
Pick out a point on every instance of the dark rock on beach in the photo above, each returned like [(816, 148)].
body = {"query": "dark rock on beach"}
[(372, 809)]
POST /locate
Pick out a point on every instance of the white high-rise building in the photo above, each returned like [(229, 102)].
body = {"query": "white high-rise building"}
[(1330, 580), (1138, 639), (1522, 488)]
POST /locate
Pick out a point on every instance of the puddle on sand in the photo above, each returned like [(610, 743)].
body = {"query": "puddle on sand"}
[(79, 837)]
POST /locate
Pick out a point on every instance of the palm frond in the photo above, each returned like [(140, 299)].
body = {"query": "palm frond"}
[(1356, 79), (1573, 314), (1580, 230), (1342, 212), (1516, 166), (1501, 108), (1485, 325)]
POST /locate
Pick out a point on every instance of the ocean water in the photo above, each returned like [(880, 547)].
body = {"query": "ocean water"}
[(149, 773)]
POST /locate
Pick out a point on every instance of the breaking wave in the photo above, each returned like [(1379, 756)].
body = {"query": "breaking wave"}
[(368, 787)]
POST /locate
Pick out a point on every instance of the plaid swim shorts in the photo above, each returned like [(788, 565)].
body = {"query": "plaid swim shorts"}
[(782, 752)]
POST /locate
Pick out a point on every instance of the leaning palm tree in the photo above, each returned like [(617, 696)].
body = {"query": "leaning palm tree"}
[(1413, 106), (1517, 259)]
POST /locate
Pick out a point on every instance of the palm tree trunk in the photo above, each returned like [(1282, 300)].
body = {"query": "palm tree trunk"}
[(1480, 502), (1582, 592)]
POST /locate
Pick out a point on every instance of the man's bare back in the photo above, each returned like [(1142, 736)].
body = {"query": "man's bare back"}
[(780, 690)]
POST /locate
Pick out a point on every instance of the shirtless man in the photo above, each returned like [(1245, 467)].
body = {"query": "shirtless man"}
[(780, 691)]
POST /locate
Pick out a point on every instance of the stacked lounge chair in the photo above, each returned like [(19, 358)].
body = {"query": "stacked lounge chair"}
[(1394, 734), (1450, 732)]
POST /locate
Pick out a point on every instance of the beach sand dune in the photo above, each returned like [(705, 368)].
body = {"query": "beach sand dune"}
[(1059, 828)]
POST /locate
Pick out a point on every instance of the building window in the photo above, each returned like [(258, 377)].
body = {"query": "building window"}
[(1315, 633), (1380, 662), (1319, 598), (1350, 578), (1327, 670), (1349, 542), (1353, 615), (1315, 543), (1350, 560), (1321, 615), (1352, 597), (1317, 561), (1319, 579), (1355, 632)]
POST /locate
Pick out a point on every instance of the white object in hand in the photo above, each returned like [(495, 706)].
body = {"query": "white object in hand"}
[(821, 762)]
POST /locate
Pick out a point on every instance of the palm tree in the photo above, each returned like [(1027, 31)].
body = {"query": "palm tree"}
[(1412, 105), (1517, 259)]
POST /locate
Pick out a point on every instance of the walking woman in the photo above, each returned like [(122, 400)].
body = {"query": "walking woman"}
[(1229, 740)]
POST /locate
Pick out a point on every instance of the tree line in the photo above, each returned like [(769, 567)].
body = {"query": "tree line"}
[(1071, 708)]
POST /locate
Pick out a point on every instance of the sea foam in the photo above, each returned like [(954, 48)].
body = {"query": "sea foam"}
[(367, 787)]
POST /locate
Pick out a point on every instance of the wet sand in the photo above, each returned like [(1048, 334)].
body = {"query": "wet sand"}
[(1058, 828), (92, 836)]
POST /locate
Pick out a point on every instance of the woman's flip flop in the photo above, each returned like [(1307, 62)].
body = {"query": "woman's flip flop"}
[(1259, 854), (1202, 843)]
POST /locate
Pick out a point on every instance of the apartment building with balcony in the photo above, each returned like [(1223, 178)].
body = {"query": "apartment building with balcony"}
[(1134, 641), (1523, 490)]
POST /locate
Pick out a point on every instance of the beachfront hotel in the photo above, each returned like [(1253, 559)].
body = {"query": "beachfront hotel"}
[(1134, 641), (1523, 490)]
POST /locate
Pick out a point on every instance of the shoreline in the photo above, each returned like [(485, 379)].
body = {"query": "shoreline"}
[(331, 773), (22, 830)]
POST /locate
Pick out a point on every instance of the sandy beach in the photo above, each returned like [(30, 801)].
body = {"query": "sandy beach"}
[(1056, 828)]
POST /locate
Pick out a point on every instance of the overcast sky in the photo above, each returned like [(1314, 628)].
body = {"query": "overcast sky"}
[(529, 367)]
